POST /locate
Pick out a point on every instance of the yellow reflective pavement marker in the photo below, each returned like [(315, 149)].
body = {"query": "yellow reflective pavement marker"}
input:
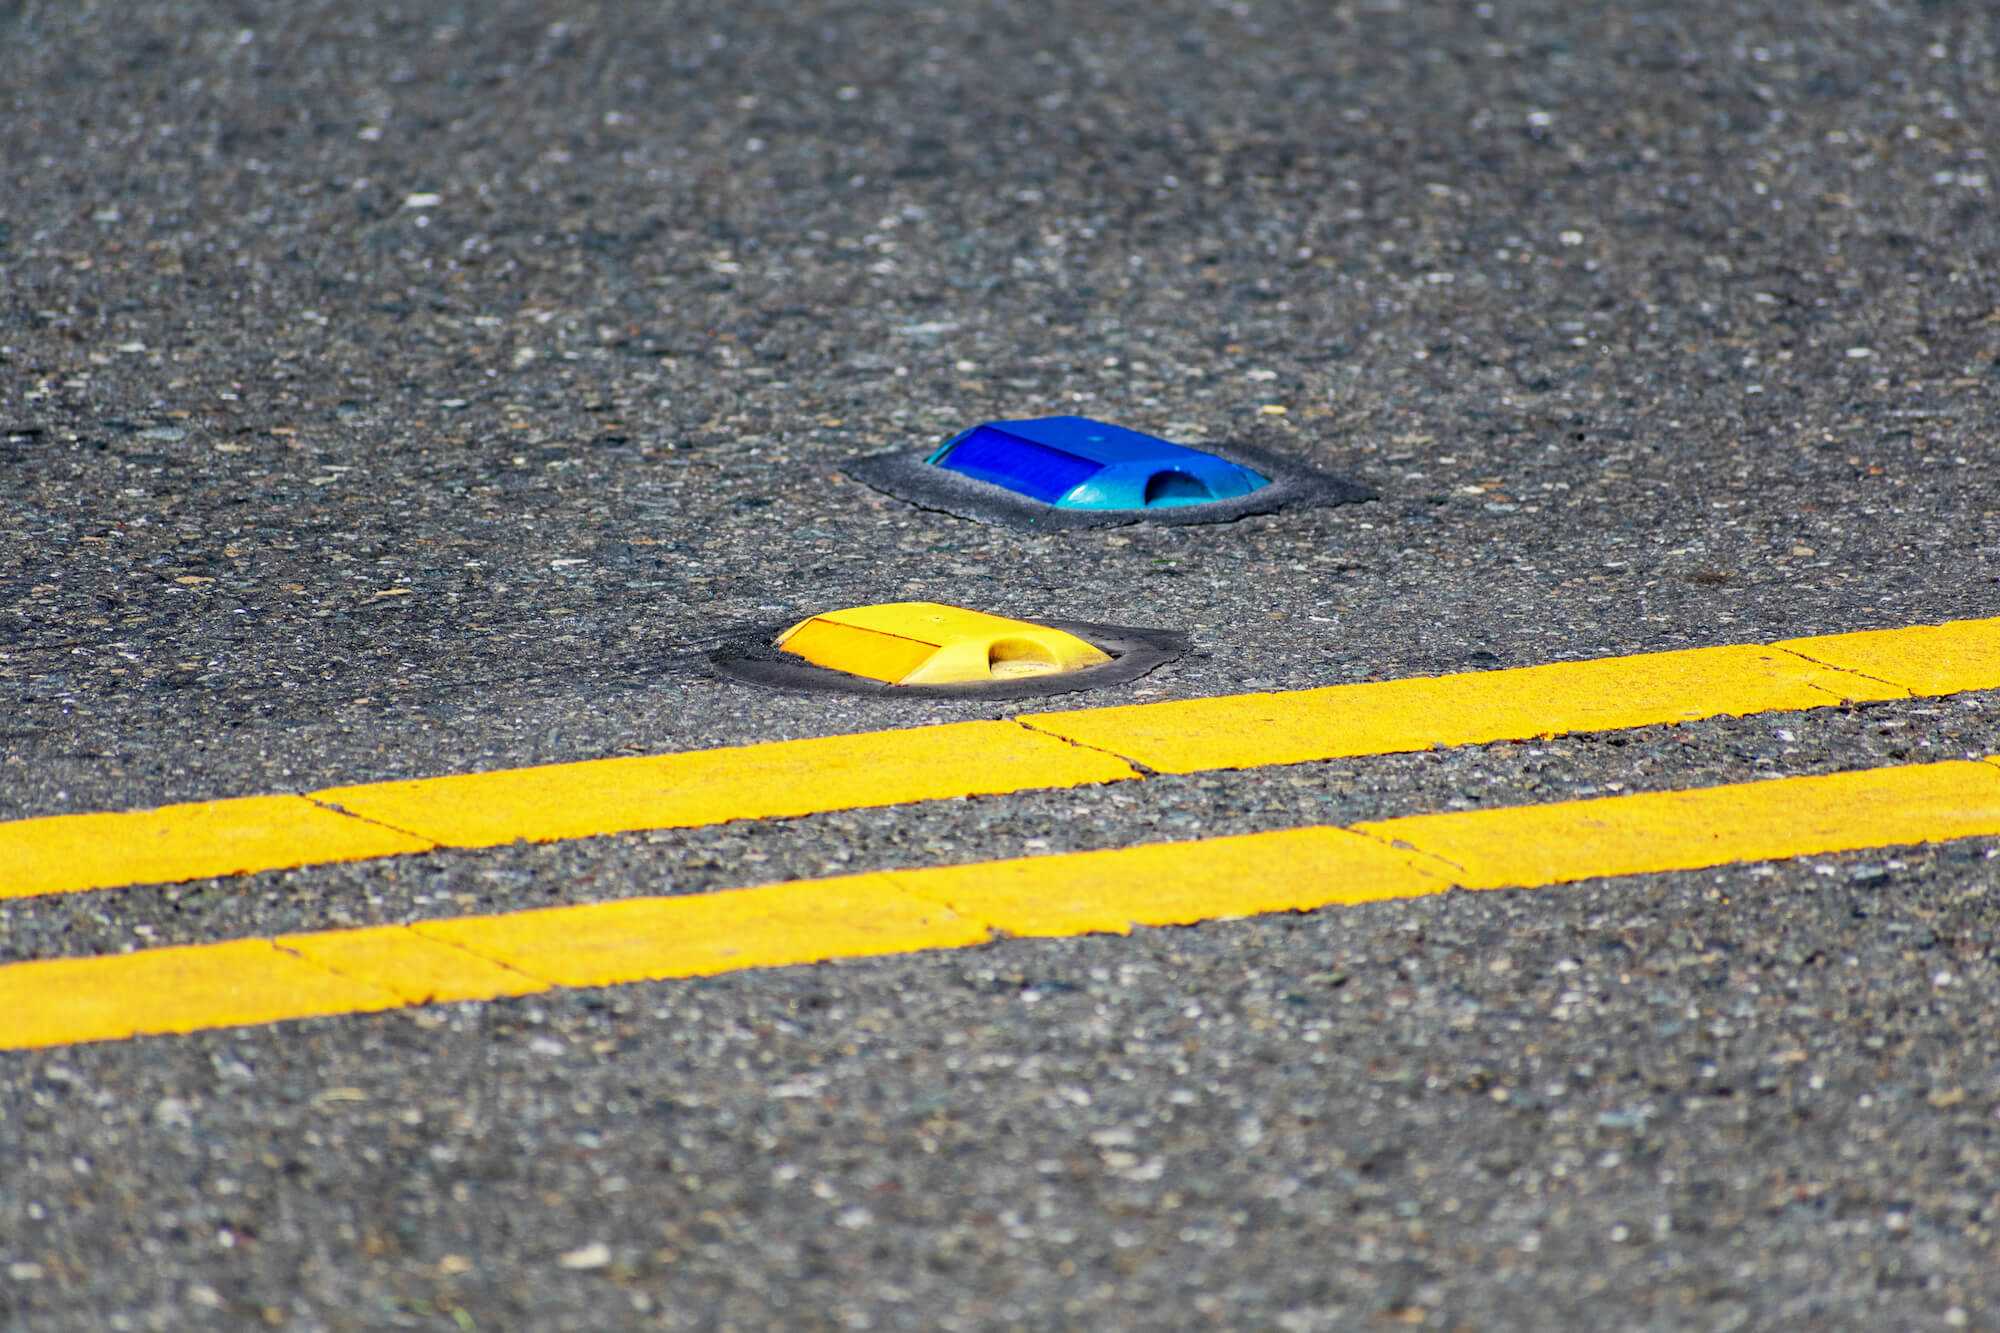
[(188, 988), (65, 853), (929, 643)]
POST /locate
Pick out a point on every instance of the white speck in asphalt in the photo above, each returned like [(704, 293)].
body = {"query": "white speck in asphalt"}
[(594, 1255)]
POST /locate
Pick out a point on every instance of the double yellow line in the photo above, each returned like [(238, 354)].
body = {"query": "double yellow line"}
[(244, 981), (65, 853)]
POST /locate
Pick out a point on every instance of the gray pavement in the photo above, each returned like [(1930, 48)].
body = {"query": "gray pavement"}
[(390, 390)]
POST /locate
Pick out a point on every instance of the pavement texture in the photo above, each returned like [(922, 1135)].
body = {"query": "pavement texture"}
[(400, 389)]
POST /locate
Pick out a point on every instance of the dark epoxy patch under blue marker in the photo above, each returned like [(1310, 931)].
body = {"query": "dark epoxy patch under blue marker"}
[(1077, 463)]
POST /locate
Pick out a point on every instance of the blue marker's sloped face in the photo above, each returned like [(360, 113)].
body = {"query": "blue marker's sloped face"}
[(1077, 463)]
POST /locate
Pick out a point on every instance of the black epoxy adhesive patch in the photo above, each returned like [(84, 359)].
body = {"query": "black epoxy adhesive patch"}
[(908, 477), (1134, 652)]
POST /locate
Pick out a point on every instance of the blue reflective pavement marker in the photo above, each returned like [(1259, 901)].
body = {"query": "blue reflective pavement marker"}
[(1077, 463), (1048, 474)]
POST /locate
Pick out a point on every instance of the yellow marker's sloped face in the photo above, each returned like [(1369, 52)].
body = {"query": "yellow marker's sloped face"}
[(928, 643)]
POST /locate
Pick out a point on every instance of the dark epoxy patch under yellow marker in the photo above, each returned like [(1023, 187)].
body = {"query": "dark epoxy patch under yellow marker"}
[(190, 988), (67, 853)]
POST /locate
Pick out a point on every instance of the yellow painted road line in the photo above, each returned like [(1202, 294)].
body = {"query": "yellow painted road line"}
[(1686, 830), (66, 853), (69, 853), (1385, 717), (191, 988), (1924, 659), (712, 786)]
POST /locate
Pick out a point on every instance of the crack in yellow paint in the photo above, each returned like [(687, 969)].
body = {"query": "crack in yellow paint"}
[(1132, 764), (1895, 685), (340, 810), (188, 988), (1923, 659)]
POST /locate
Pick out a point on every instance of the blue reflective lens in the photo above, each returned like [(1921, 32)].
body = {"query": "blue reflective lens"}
[(1077, 463), (1020, 465)]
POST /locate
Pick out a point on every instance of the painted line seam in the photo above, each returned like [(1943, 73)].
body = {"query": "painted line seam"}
[(1401, 845), (994, 931), (1851, 671), (1138, 769), (379, 983), (416, 929), (333, 809)]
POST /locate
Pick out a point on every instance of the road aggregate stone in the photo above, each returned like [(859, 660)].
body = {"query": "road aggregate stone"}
[(400, 389)]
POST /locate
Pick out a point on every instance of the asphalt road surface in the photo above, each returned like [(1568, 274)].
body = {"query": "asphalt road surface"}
[(400, 389)]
